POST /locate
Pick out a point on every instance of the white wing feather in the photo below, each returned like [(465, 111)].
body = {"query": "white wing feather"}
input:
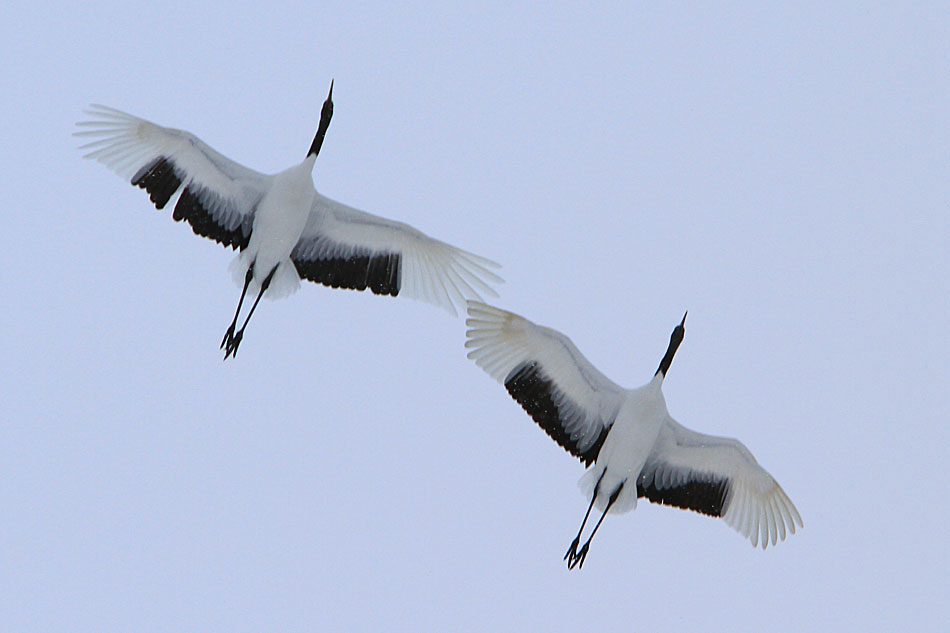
[(501, 341), (431, 270), (126, 143), (755, 505)]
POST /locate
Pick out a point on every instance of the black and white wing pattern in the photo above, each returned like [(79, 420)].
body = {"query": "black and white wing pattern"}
[(717, 476), (344, 247), (547, 375), (218, 196)]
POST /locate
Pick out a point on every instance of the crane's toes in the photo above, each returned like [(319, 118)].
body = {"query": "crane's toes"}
[(572, 550), (577, 560), (232, 346), (228, 337)]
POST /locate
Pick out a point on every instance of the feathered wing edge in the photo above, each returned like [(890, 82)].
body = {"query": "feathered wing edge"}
[(345, 247), (545, 373), (218, 195), (685, 463)]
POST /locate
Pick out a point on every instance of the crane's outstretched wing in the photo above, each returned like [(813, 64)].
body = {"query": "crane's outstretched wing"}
[(717, 476), (546, 374), (344, 247), (218, 196)]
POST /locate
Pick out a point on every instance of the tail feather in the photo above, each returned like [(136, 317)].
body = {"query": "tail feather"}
[(284, 282)]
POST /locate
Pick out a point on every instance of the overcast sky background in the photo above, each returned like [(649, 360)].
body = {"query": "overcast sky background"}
[(779, 172)]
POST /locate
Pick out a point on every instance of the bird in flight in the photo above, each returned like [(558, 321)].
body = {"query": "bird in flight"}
[(627, 438), (284, 229)]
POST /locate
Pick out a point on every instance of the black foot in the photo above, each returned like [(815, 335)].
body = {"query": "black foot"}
[(572, 550), (228, 337), (232, 347), (577, 560)]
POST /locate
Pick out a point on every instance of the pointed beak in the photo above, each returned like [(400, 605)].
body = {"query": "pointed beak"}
[(327, 111), (683, 322)]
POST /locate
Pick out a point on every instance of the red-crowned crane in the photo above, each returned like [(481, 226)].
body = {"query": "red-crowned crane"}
[(285, 230), (626, 437)]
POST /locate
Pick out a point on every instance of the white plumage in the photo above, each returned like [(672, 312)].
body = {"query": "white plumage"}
[(627, 437), (283, 227)]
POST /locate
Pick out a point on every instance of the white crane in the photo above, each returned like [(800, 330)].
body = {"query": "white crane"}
[(636, 448), (284, 229)]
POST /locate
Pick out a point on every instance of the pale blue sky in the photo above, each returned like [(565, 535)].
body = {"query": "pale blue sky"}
[(780, 172)]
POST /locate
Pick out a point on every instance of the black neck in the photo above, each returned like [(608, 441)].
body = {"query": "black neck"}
[(675, 339), (325, 115)]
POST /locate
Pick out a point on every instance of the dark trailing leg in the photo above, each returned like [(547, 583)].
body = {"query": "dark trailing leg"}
[(231, 349), (572, 550), (578, 560), (229, 335)]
